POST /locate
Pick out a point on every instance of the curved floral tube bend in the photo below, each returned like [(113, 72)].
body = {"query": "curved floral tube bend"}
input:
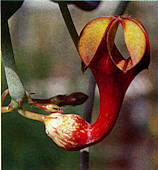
[(113, 75)]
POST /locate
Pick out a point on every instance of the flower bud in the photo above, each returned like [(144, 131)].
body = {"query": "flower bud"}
[(72, 99), (68, 131)]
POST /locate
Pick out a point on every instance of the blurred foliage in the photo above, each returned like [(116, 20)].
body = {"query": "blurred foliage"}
[(48, 65)]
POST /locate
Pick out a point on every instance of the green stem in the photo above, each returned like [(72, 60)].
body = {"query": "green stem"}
[(15, 85), (71, 27), (6, 109), (10, 107), (32, 115), (68, 21)]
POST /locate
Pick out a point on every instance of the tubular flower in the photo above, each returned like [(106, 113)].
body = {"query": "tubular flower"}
[(113, 75)]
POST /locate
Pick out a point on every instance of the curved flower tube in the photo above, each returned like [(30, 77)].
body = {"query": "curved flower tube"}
[(113, 75)]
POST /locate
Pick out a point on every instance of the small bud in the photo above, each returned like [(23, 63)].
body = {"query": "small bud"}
[(72, 99), (76, 98), (58, 100), (62, 100)]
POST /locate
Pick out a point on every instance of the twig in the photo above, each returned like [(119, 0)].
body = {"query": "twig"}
[(68, 21), (84, 154), (70, 26), (15, 85), (32, 115)]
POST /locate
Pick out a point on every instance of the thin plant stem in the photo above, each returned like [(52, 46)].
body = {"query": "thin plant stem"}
[(84, 153), (32, 115), (6, 109), (3, 96), (10, 107), (71, 27), (15, 85), (69, 22)]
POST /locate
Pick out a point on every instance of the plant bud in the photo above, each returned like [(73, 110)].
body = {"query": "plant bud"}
[(76, 98), (68, 131), (72, 99)]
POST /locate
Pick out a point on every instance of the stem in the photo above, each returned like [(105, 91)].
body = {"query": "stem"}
[(90, 102), (68, 21), (121, 8), (15, 85), (6, 109), (84, 153), (31, 115), (3, 96), (10, 107)]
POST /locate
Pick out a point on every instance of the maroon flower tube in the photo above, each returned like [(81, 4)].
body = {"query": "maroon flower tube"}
[(113, 75)]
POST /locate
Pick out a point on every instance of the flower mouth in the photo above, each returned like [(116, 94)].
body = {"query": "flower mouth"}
[(134, 39), (100, 33)]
